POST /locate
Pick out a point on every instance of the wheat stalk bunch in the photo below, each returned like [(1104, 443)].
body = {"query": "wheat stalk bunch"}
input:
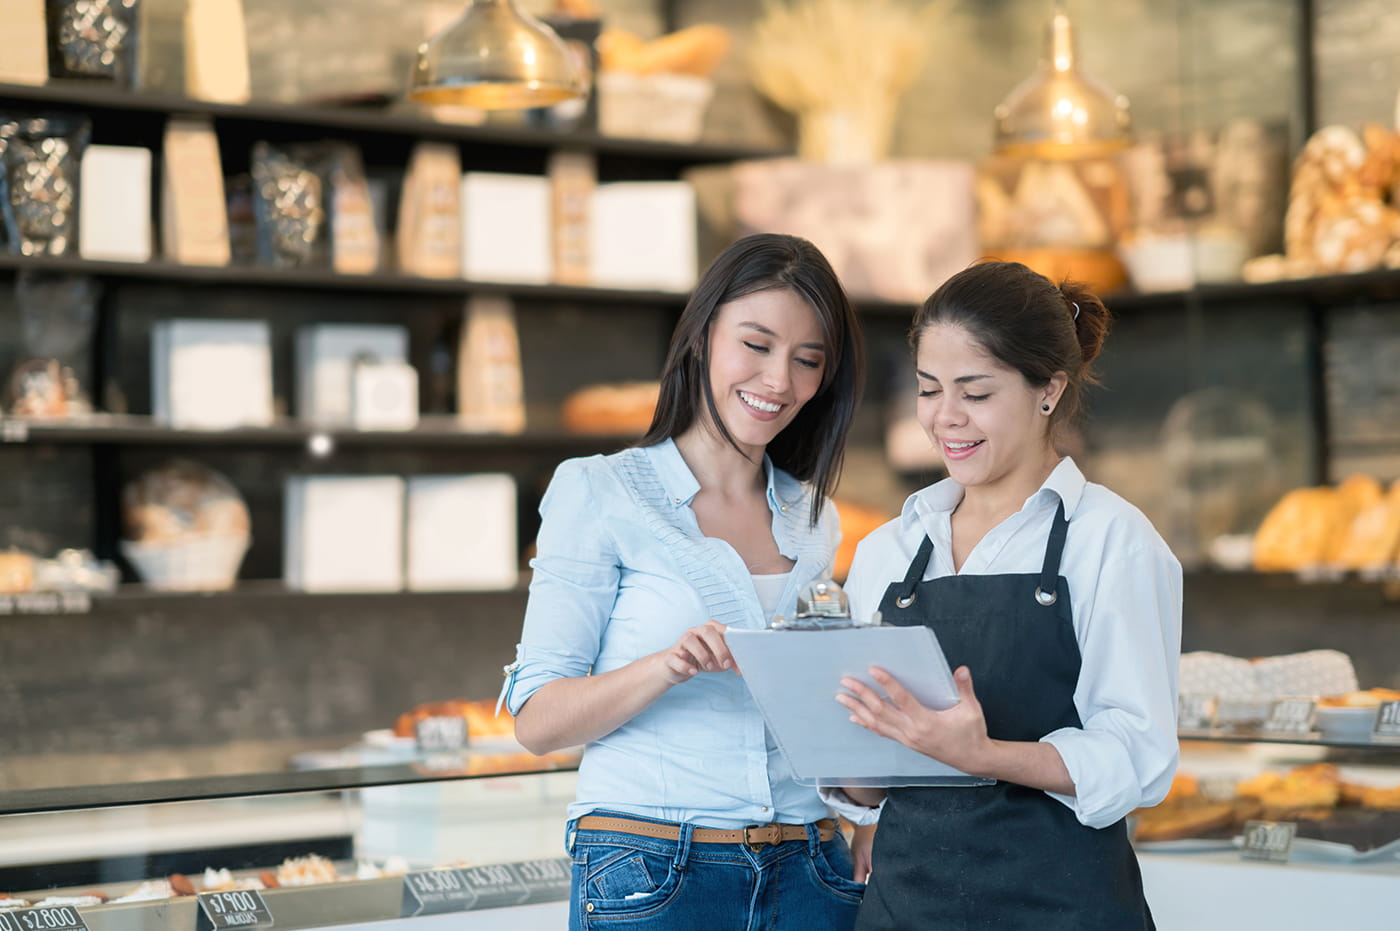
[(822, 54)]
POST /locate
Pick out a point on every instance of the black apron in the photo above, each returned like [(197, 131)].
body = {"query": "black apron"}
[(1002, 856)]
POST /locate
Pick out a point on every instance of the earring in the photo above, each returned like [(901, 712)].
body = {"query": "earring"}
[(1045, 407)]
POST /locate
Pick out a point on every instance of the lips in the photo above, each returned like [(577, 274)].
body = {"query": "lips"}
[(960, 449), (758, 405)]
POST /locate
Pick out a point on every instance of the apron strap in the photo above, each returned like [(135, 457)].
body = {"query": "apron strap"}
[(1045, 592), (915, 575)]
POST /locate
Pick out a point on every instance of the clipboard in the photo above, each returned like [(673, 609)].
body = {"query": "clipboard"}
[(794, 675)]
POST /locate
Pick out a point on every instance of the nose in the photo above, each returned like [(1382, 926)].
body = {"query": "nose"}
[(947, 412), (776, 376)]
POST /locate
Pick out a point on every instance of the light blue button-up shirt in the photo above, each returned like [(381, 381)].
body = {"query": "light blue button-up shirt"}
[(622, 571)]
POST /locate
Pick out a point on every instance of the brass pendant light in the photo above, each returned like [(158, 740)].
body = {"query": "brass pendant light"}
[(1060, 112), (494, 57)]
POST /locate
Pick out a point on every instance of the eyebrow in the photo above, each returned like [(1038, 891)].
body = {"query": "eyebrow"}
[(960, 380), (750, 324)]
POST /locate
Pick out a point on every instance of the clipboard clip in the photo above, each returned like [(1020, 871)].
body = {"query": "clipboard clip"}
[(821, 605)]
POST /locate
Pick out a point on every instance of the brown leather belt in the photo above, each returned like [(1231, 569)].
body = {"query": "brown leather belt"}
[(754, 835)]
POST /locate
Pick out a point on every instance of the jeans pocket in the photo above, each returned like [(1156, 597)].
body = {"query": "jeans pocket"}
[(832, 869), (620, 880)]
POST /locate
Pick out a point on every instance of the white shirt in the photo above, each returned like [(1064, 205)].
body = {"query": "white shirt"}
[(1125, 587)]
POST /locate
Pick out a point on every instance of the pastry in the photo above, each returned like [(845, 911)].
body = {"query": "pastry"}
[(306, 871), (1296, 531), (622, 408), (1177, 822), (151, 890)]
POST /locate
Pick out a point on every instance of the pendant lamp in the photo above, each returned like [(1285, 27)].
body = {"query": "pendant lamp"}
[(494, 57), (1060, 112)]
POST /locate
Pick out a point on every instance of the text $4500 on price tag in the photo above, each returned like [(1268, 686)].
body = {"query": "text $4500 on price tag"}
[(54, 918), (237, 908)]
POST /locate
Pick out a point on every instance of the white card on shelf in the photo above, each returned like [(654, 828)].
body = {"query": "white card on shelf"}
[(326, 354), (462, 532), (384, 396), (343, 533), (211, 374), (644, 235), (506, 228), (114, 204)]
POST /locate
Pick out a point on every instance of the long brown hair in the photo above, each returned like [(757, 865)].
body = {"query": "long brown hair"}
[(812, 447)]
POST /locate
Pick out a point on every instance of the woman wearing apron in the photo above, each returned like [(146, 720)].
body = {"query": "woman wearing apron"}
[(1059, 607)]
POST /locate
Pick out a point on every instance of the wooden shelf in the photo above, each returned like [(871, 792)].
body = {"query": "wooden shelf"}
[(369, 120), (320, 279), (432, 431)]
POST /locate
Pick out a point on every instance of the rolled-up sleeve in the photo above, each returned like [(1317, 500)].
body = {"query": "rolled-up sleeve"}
[(1125, 754), (576, 573)]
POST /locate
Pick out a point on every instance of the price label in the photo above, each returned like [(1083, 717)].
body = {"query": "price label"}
[(545, 880), (1268, 840), (1387, 726), (13, 431), (441, 734), (496, 885), (434, 892), (237, 908), (1291, 716), (51, 918), (1195, 712)]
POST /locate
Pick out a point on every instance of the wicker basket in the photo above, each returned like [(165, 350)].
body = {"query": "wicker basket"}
[(208, 564), (669, 107)]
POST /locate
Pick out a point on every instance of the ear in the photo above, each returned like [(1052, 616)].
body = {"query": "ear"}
[(1054, 389)]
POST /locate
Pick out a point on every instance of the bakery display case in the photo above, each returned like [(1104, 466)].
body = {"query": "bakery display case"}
[(418, 842)]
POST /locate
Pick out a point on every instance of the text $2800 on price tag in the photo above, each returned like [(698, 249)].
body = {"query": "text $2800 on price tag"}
[(54, 918)]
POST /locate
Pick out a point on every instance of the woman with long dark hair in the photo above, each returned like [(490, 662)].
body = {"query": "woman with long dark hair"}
[(687, 814)]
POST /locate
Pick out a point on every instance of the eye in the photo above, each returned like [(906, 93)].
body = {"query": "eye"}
[(976, 397), (756, 347), (808, 363), (930, 392)]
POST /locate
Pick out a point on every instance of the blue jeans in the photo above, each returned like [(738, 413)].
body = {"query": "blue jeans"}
[(643, 884)]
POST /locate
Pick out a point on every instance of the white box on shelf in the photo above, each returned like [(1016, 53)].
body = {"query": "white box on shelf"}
[(644, 235), (211, 374), (461, 532), (343, 533), (114, 203), (326, 354), (507, 228), (384, 396)]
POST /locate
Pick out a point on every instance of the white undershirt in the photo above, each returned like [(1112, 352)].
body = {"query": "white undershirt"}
[(770, 590)]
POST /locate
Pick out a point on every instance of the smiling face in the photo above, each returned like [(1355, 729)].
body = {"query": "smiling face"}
[(767, 357), (981, 414)]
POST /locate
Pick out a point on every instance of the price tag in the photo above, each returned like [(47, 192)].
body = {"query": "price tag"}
[(1268, 840), (1291, 716), (237, 908), (495, 886), (51, 918), (545, 880), (1195, 712), (13, 431), (441, 734), (1387, 726), (434, 892)]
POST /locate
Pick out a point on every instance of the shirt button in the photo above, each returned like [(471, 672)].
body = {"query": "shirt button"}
[(783, 508), (678, 500), (764, 808), (589, 906)]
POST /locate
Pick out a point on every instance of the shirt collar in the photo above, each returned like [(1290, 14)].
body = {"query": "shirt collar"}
[(1065, 483), (681, 485)]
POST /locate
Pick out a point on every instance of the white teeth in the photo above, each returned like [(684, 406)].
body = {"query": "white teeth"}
[(758, 405), (962, 445)]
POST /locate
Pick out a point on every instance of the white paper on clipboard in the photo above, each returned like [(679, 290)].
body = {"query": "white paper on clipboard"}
[(794, 676)]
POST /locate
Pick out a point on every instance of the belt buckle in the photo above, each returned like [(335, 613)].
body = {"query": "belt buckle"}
[(773, 832)]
